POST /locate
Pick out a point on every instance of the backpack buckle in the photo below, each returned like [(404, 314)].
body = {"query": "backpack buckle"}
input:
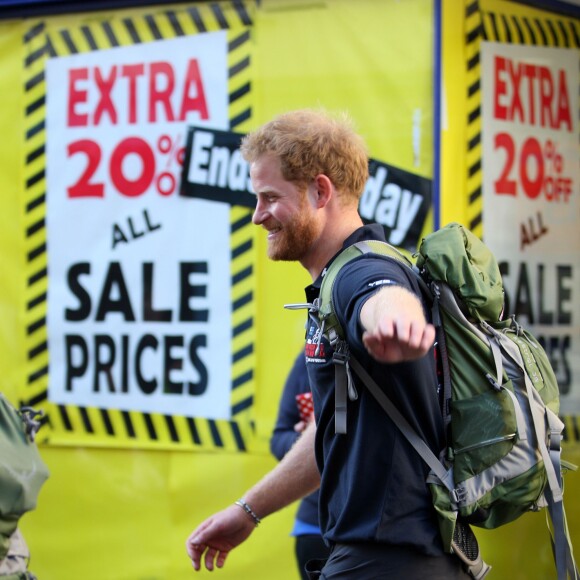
[(459, 495), (516, 327), (340, 358), (31, 425), (301, 305)]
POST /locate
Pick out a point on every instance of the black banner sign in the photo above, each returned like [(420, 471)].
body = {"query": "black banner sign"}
[(398, 200), (214, 169)]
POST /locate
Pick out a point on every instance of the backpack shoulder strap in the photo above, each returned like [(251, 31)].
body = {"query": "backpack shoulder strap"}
[(330, 327), (326, 312)]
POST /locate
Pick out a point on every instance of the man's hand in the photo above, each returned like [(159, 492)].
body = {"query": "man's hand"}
[(399, 339), (302, 425), (293, 478), (213, 540), (396, 329)]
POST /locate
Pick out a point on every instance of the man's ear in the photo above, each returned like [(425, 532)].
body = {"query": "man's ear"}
[(324, 188)]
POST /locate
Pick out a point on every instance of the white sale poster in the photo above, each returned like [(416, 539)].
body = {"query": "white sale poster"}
[(139, 278), (531, 190)]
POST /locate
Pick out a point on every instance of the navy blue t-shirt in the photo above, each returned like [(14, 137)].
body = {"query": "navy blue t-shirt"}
[(373, 485)]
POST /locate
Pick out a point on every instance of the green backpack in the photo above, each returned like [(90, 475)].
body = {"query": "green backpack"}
[(500, 396), (22, 471)]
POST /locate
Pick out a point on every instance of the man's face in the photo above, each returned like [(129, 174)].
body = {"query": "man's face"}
[(284, 210)]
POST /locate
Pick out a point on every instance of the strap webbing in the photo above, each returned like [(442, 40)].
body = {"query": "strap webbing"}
[(561, 544), (340, 397), (444, 475)]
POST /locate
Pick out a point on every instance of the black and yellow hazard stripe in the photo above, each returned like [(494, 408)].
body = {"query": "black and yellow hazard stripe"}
[(474, 191), (536, 29), (242, 241), (70, 424), (34, 210)]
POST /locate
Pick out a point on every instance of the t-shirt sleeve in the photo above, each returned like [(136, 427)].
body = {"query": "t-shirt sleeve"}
[(357, 282)]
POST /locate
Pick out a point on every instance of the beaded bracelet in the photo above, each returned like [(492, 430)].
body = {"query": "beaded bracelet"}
[(242, 503)]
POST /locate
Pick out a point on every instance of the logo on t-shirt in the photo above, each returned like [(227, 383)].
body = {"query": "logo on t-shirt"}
[(314, 348), (381, 283)]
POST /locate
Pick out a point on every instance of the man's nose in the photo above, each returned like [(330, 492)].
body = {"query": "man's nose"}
[(259, 213)]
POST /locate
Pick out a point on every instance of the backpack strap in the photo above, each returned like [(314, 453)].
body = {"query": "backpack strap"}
[(561, 543), (560, 536), (432, 292), (326, 308), (445, 476), (343, 385), (329, 324)]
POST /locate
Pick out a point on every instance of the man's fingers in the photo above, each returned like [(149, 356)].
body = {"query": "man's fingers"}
[(385, 329), (221, 559), (421, 336), (428, 337), (210, 555), (403, 331), (215, 558), (395, 341), (195, 552), (191, 546)]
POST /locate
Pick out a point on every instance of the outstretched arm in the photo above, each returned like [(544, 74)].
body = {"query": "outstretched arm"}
[(293, 478), (395, 328)]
